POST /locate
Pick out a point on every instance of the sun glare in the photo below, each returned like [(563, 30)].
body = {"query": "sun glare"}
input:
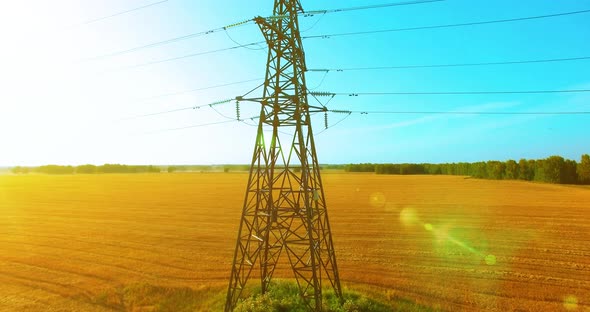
[(234, 155), (408, 216)]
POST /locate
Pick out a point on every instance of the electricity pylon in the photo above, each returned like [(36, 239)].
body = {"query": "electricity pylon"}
[(284, 207)]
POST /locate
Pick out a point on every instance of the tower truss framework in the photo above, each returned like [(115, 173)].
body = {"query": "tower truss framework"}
[(284, 208)]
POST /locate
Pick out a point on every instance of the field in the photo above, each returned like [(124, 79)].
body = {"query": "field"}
[(116, 242)]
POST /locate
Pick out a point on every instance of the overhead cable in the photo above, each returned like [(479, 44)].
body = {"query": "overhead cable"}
[(189, 55), (463, 112), (245, 22), (181, 109), (354, 94), (356, 33), (200, 89), (203, 125), (365, 7), (167, 41), (193, 126), (119, 13), (450, 65)]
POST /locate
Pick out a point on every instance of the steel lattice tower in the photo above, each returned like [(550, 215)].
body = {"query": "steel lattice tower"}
[(284, 207)]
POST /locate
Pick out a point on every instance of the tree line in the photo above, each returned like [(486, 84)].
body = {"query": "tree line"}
[(118, 168), (87, 169), (553, 169)]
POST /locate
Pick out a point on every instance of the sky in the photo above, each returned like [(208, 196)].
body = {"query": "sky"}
[(66, 99)]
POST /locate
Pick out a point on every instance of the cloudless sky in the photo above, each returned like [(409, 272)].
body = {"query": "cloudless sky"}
[(60, 106)]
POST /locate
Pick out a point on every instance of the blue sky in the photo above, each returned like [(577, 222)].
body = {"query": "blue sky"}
[(59, 107)]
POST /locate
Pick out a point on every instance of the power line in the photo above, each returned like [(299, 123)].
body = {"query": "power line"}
[(460, 112), (199, 89), (375, 112), (314, 24), (236, 42), (180, 109), (358, 33), (189, 55), (245, 22), (450, 65), (202, 125), (193, 126), (365, 7), (168, 41), (377, 68), (348, 114), (211, 105), (120, 13), (325, 36), (331, 95), (354, 94)]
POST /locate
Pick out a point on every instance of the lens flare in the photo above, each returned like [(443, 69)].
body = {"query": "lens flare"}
[(377, 199), (441, 233), (408, 216), (490, 259), (447, 236), (570, 303)]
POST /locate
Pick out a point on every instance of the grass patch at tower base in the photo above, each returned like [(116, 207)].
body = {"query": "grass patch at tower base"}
[(283, 295)]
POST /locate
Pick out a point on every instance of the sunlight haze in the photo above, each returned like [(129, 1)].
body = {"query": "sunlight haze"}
[(66, 100)]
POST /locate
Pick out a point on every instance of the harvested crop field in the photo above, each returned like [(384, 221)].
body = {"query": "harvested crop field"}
[(101, 242)]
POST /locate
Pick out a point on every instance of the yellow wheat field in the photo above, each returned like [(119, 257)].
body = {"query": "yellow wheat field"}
[(67, 243)]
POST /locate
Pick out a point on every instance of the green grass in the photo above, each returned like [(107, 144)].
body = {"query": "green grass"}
[(283, 296)]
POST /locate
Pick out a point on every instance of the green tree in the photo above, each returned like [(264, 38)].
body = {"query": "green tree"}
[(55, 169), (539, 170), (526, 171), (479, 170), (496, 169), (569, 174), (152, 169), (360, 168), (583, 169), (511, 170), (86, 169), (553, 169), (463, 168)]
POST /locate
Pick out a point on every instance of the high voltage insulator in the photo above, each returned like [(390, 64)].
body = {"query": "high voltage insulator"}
[(338, 111), (238, 110), (312, 13), (324, 70), (237, 24), (325, 120), (321, 93), (277, 17), (220, 102), (285, 209)]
